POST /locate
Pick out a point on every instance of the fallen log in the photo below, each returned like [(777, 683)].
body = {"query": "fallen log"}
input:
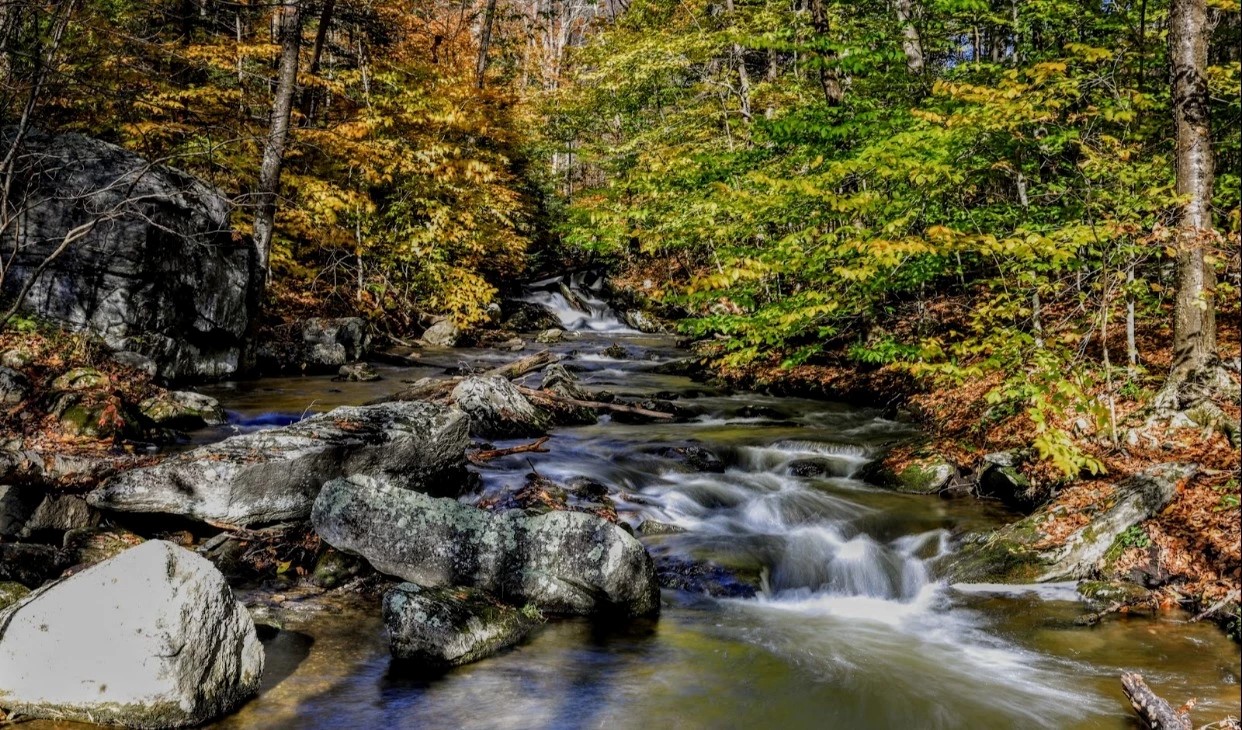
[(528, 364), (1151, 708), (546, 397), (485, 455), (1233, 596)]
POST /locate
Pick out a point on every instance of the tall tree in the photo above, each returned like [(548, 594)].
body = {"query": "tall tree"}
[(1194, 318), (485, 40), (290, 24)]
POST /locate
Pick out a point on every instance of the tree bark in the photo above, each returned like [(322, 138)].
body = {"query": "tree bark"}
[(911, 44), (1194, 317), (485, 40), (310, 97), (1150, 707), (278, 134), (829, 80)]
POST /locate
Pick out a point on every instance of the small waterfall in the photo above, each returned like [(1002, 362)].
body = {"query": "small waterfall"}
[(575, 299)]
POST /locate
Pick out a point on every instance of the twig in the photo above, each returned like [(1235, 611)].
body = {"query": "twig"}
[(480, 457), (552, 397), (1232, 596)]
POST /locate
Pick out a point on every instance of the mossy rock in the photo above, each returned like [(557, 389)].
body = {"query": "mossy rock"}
[(82, 379), (91, 545), (11, 592), (87, 416), (925, 475), (1103, 593), (334, 568), (183, 410)]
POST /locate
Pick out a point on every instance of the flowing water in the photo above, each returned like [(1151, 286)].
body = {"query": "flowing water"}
[(850, 629)]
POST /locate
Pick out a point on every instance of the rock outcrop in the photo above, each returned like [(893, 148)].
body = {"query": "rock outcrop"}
[(1020, 553), (156, 271), (562, 562), (273, 476), (152, 638)]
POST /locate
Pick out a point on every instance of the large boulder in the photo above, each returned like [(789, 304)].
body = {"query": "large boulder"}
[(1023, 552), (562, 562), (498, 410), (273, 476), (152, 638), (448, 627), (160, 272)]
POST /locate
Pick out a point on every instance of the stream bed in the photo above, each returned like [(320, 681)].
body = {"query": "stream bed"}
[(848, 630)]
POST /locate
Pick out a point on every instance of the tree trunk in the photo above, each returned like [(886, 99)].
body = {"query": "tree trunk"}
[(1194, 317), (485, 40), (910, 42), (829, 80), (743, 78), (278, 134), (310, 97)]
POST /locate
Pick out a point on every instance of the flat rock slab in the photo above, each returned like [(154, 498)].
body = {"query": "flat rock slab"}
[(151, 638), (273, 476), (446, 627), (562, 562)]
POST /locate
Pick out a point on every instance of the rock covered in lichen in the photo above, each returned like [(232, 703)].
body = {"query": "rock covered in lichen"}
[(562, 562)]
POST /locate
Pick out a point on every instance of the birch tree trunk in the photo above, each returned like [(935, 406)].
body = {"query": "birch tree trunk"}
[(1194, 316), (911, 44)]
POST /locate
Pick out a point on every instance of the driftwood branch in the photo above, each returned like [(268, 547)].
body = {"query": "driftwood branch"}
[(528, 364), (485, 455), (546, 397), (1233, 596), (1151, 708)]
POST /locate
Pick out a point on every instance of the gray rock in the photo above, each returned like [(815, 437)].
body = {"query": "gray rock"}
[(550, 336), (273, 476), (161, 276), (652, 528), (152, 638), (29, 564), (17, 358), (1000, 478), (333, 568), (137, 361), (1017, 553), (448, 627), (357, 372), (183, 409), (14, 386), (17, 503), (523, 316), (643, 322), (557, 379), (497, 409), (334, 342), (59, 514), (79, 379), (90, 545), (442, 334), (562, 562)]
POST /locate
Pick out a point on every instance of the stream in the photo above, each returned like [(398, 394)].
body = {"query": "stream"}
[(850, 630)]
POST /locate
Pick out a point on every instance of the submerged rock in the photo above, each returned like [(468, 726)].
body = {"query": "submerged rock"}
[(550, 336), (498, 410), (151, 638), (357, 372), (451, 626), (699, 577), (1015, 553), (273, 476), (695, 458), (562, 562)]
